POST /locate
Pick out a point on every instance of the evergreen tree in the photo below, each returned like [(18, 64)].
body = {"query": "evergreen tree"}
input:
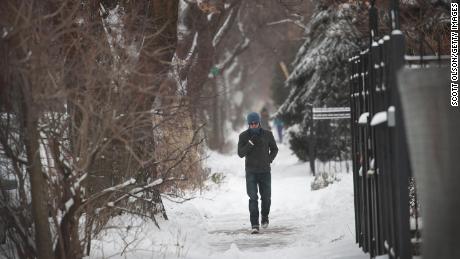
[(320, 78), (279, 91)]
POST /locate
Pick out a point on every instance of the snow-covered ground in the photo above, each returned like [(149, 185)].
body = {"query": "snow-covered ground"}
[(215, 224)]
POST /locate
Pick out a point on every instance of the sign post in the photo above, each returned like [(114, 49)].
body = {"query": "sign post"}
[(325, 113)]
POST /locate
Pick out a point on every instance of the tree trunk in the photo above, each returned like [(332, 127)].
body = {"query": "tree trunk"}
[(38, 184)]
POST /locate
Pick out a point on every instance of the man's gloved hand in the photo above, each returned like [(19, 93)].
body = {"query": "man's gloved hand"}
[(254, 140)]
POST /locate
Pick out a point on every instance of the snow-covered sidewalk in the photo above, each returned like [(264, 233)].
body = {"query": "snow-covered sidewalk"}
[(303, 223)]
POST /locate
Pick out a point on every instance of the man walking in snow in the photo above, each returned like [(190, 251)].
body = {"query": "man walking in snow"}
[(259, 147)]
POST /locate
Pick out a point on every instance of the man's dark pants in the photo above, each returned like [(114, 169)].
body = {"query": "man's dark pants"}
[(263, 181)]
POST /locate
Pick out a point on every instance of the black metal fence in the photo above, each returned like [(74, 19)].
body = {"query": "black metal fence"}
[(386, 207), (381, 176)]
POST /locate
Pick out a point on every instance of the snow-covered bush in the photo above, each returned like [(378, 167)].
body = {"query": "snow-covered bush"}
[(323, 179), (218, 178), (320, 76)]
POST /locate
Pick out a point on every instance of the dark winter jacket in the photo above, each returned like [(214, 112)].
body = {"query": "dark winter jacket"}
[(261, 154)]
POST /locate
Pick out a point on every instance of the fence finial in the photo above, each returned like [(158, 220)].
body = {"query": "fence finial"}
[(394, 14), (373, 22)]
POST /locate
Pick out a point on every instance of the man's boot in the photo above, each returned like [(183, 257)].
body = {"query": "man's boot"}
[(264, 222)]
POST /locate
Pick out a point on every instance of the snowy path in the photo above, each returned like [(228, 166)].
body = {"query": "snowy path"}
[(278, 235), (303, 223), (299, 220), (285, 224)]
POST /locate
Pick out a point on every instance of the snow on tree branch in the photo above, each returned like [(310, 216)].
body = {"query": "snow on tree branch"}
[(296, 22), (224, 28), (110, 189), (235, 52)]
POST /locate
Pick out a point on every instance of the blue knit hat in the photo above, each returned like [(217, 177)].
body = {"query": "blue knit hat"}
[(253, 117)]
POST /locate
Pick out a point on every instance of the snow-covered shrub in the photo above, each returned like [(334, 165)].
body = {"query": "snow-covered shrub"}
[(320, 77), (323, 179), (218, 178)]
